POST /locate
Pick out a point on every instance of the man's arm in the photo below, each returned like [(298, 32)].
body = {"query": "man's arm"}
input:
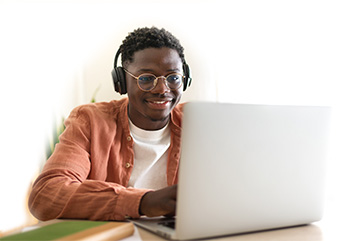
[(63, 190), (57, 194)]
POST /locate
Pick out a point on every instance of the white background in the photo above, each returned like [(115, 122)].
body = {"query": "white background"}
[(55, 54)]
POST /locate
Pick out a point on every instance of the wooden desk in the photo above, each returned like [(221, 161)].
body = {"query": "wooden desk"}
[(320, 231)]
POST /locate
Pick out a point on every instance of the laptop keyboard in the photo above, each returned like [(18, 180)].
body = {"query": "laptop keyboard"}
[(170, 224)]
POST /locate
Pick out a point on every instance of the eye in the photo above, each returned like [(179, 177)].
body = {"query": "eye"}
[(146, 78), (174, 78)]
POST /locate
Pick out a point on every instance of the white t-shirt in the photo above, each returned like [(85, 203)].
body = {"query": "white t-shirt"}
[(150, 157)]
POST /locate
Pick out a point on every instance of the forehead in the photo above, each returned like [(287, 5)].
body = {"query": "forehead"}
[(156, 58)]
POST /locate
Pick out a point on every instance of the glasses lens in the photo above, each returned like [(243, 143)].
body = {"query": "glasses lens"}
[(174, 81), (146, 81)]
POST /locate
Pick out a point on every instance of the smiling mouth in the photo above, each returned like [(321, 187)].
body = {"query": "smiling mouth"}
[(158, 104)]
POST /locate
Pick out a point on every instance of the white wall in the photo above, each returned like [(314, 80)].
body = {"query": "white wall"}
[(54, 54)]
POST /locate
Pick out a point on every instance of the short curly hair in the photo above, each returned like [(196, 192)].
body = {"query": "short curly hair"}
[(153, 37)]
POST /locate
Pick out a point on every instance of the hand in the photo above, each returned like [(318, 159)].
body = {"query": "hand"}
[(159, 203)]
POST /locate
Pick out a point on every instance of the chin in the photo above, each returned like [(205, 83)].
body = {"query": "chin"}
[(159, 118)]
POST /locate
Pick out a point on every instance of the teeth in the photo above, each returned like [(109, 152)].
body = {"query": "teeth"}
[(159, 102)]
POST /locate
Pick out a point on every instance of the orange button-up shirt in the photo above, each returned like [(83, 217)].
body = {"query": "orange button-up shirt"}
[(87, 175)]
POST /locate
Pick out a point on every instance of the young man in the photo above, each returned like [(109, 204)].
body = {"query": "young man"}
[(120, 159)]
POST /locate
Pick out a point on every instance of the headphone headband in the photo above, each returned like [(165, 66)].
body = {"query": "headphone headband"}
[(116, 58)]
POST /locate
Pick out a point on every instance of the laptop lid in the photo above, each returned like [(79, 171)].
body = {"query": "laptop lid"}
[(247, 168), (250, 167)]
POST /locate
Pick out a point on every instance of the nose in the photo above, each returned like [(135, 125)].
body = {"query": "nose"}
[(161, 86)]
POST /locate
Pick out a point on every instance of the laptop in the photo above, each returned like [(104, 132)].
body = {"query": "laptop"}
[(246, 168)]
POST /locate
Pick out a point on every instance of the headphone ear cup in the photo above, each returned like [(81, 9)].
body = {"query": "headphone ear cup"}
[(187, 74), (122, 81), (118, 76)]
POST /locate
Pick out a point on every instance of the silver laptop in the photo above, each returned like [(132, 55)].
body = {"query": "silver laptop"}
[(247, 168)]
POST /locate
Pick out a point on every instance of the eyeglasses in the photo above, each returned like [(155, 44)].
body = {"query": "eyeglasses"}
[(148, 82)]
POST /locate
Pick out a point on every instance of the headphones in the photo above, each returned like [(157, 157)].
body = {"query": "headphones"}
[(119, 81)]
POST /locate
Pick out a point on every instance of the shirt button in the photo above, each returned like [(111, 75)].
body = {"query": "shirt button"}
[(127, 165), (129, 138)]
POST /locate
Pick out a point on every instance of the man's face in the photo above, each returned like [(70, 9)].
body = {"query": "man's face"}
[(151, 110)]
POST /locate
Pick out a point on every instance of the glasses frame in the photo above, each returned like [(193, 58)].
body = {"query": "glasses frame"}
[(155, 81)]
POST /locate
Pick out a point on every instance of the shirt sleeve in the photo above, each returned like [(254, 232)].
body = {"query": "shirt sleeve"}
[(62, 190)]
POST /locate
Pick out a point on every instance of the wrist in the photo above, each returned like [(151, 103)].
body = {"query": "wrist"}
[(143, 204)]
